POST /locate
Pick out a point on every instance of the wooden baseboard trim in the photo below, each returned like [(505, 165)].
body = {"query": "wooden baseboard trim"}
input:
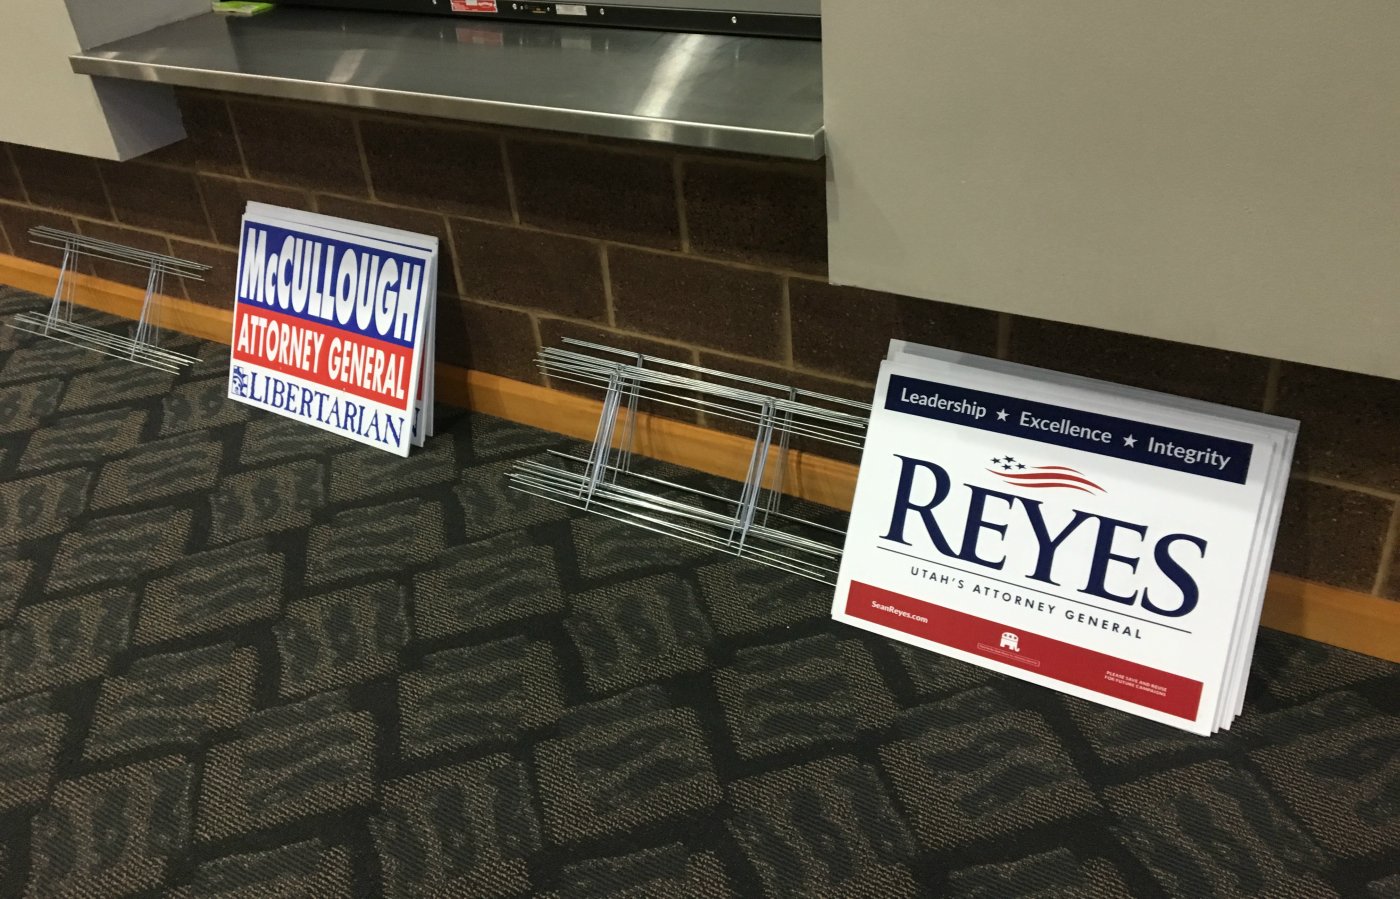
[(1344, 618), (1357, 621), (809, 477), (124, 300)]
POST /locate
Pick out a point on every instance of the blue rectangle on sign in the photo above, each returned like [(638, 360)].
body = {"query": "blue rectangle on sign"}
[(1106, 435), (356, 287)]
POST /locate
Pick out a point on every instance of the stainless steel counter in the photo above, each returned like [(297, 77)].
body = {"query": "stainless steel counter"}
[(746, 94)]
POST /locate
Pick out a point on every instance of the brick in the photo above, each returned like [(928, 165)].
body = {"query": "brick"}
[(788, 377), (62, 181), (157, 198), (696, 301), (217, 288), (1332, 535), (846, 331), (10, 187), (486, 338), (1236, 379), (141, 240), (764, 215), (550, 272), (599, 193), (414, 220), (17, 220), (553, 332), (442, 169), (210, 144), (225, 199), (1349, 428), (300, 145)]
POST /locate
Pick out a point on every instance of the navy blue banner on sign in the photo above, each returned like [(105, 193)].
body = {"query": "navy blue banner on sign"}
[(1092, 432), (372, 292)]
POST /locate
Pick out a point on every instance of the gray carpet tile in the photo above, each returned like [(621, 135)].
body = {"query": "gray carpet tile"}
[(239, 657)]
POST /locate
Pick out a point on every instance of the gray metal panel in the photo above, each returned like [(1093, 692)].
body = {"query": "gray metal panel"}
[(769, 7), (1224, 174), (747, 94)]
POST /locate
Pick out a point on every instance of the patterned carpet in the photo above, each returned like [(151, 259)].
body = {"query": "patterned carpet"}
[(239, 657)]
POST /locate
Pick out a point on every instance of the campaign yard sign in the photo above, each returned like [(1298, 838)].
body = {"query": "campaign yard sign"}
[(332, 325), (1107, 542)]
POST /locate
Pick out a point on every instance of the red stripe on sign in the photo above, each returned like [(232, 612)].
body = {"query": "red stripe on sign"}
[(1064, 486), (1042, 476), (1065, 662), (342, 360)]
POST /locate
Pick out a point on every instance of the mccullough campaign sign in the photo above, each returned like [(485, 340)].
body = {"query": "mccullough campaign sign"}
[(331, 319), (1106, 542)]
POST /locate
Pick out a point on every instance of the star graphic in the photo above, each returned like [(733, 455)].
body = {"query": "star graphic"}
[(1009, 459), (1001, 415), (1020, 466), (996, 461), (1006, 468), (1130, 441)]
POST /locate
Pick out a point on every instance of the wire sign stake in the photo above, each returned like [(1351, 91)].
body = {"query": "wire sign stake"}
[(750, 525), (58, 324)]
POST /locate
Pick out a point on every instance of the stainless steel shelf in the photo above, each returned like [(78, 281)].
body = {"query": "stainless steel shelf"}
[(745, 94)]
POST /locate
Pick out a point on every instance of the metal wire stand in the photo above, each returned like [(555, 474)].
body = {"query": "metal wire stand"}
[(58, 323), (750, 525)]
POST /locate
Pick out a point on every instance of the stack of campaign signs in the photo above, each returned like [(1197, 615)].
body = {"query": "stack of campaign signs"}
[(1108, 542), (334, 325)]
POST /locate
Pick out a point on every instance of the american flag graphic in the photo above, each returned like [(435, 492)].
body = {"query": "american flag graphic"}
[(1018, 474)]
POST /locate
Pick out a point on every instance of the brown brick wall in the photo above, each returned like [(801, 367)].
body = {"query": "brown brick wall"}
[(698, 256)]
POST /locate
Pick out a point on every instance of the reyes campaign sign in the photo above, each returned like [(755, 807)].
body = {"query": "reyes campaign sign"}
[(1108, 543), (331, 319)]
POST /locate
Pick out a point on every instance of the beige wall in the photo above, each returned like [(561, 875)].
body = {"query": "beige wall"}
[(707, 258), (43, 104), (1226, 174)]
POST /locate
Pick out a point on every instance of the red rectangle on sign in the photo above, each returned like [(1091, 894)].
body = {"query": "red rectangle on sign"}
[(473, 5), (1055, 659), (331, 357)]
